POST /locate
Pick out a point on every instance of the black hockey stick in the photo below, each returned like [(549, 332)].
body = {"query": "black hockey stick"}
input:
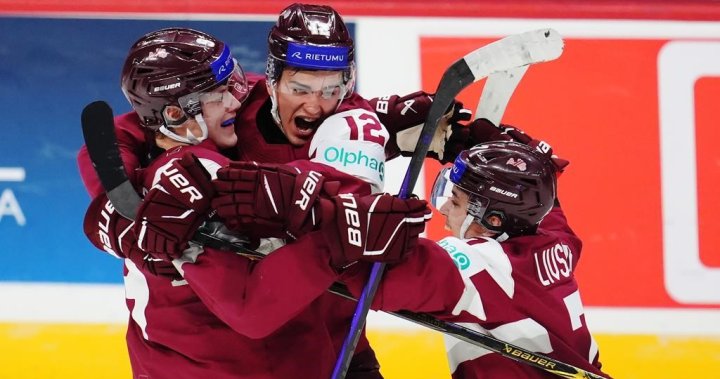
[(513, 51), (102, 146)]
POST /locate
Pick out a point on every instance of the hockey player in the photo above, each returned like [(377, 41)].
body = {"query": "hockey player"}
[(508, 269), (228, 317), (515, 255)]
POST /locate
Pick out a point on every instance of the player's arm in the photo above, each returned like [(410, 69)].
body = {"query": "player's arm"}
[(255, 298), (404, 117), (427, 281)]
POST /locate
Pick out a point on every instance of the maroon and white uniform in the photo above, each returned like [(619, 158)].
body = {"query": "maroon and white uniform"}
[(521, 290), (232, 317)]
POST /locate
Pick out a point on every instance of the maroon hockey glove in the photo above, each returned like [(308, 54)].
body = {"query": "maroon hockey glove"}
[(109, 231), (465, 136), (267, 200), (174, 209), (482, 130), (373, 228), (404, 118), (540, 146)]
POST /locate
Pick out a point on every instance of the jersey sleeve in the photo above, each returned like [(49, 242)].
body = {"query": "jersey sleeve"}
[(256, 297), (399, 113), (427, 281)]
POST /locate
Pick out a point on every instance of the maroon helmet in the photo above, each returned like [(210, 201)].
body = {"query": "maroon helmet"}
[(310, 37), (506, 179), (175, 66)]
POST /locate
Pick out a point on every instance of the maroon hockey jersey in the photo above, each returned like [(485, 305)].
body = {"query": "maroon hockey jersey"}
[(231, 317), (521, 290)]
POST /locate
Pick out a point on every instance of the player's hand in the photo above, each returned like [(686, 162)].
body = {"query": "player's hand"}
[(267, 200), (110, 231), (465, 136), (540, 146), (405, 116), (373, 228), (174, 209)]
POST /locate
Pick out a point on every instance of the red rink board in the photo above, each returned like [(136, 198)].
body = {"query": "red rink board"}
[(598, 106)]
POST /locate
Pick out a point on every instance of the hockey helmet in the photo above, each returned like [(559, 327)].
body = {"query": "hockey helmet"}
[(504, 178), (176, 66), (310, 37)]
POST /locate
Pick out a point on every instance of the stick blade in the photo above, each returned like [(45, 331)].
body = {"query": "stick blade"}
[(496, 93), (99, 133), (98, 128), (517, 50)]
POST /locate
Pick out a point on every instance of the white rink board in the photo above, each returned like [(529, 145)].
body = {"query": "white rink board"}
[(105, 304)]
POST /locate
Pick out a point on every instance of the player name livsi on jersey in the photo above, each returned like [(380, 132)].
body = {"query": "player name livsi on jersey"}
[(553, 263)]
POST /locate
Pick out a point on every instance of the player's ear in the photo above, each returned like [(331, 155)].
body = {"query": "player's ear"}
[(494, 220), (172, 113)]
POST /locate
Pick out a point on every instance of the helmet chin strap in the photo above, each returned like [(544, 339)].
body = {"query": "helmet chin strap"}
[(190, 138), (469, 219), (274, 108), (203, 128)]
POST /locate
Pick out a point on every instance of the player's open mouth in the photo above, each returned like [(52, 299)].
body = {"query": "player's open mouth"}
[(227, 123), (305, 126)]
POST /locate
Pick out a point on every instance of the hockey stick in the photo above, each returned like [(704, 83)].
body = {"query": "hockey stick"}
[(99, 132), (496, 93), (102, 146), (513, 51)]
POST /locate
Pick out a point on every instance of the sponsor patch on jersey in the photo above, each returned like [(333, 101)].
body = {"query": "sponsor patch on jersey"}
[(455, 250)]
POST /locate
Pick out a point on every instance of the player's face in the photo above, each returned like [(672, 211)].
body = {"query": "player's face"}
[(455, 211), (219, 109), (305, 99)]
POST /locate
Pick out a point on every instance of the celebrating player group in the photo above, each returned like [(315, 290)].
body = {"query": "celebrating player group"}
[(291, 165)]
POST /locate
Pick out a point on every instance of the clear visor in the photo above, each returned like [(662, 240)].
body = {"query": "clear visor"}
[(442, 188), (235, 88), (442, 191), (327, 89)]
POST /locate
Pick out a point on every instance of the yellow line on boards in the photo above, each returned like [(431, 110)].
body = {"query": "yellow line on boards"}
[(81, 351)]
